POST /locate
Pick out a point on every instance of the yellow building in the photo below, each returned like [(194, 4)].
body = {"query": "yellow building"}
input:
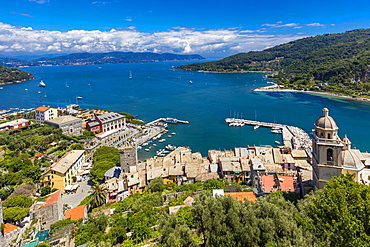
[(65, 171)]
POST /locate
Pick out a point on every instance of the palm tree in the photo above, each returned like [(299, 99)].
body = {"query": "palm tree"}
[(98, 195)]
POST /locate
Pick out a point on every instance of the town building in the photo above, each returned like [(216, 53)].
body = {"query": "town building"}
[(106, 122), (70, 126), (48, 212), (76, 213), (15, 124), (333, 156), (64, 172), (44, 113)]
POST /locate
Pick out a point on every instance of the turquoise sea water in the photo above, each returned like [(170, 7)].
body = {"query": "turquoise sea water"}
[(157, 90)]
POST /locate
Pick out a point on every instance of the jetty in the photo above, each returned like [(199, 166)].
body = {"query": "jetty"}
[(293, 137), (168, 120)]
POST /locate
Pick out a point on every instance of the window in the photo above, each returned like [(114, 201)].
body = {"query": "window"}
[(329, 154)]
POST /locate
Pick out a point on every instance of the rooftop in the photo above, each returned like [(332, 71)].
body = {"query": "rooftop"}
[(53, 198), (240, 196), (63, 119), (9, 228), (67, 161), (76, 213), (42, 108)]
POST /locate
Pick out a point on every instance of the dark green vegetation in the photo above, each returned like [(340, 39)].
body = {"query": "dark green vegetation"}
[(335, 216), (16, 208), (104, 159), (101, 58), (12, 75), (337, 63)]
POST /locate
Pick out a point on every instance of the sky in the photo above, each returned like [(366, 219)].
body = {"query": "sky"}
[(213, 29)]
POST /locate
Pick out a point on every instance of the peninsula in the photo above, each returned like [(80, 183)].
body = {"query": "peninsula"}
[(333, 63), (100, 58), (13, 75)]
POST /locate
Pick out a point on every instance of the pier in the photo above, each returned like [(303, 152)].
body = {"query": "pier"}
[(293, 137), (168, 120)]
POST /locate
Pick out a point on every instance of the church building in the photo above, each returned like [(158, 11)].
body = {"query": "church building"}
[(332, 156)]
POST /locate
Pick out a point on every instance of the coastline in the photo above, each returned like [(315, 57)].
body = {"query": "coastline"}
[(275, 88)]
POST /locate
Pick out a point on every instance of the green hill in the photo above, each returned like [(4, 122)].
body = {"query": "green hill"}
[(13, 75), (336, 63)]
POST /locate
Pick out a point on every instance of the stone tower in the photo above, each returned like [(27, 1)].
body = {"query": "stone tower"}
[(128, 157), (326, 148)]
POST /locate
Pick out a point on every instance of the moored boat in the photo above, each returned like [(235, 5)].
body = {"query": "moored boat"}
[(42, 83)]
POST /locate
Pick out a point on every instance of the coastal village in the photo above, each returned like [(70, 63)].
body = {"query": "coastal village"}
[(299, 165)]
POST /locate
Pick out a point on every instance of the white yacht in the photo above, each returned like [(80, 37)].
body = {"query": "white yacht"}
[(42, 84)]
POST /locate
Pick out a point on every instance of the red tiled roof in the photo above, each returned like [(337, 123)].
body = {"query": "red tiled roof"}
[(53, 198), (240, 196), (42, 108), (286, 183), (38, 155), (9, 228), (76, 213)]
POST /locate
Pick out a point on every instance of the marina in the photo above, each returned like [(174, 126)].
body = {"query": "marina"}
[(159, 92), (292, 137)]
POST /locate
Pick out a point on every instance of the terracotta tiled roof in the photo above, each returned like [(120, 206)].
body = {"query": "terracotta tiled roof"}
[(240, 196), (9, 228), (76, 213), (269, 184), (42, 108), (38, 155), (53, 198)]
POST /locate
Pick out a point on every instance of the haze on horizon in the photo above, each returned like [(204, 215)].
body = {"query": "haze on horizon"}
[(213, 29)]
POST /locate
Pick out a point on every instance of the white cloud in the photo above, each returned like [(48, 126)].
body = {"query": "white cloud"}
[(128, 18), (176, 40), (280, 24), (315, 24)]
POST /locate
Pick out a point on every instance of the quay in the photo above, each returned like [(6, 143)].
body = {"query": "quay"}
[(293, 137)]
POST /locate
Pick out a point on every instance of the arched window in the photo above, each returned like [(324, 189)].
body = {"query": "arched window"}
[(329, 154), (328, 135)]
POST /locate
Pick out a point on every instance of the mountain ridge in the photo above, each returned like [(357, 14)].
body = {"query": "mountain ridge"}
[(98, 58), (338, 63)]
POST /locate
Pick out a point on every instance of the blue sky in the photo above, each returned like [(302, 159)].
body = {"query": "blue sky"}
[(213, 29)]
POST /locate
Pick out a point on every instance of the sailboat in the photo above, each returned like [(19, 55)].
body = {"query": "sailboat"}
[(130, 76)]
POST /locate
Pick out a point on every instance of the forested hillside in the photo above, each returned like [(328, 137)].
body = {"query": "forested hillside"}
[(12, 75), (333, 62)]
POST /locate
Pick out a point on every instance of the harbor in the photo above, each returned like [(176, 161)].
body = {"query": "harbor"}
[(292, 137)]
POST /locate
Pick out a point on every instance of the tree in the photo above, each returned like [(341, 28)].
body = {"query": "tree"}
[(156, 185), (173, 233), (15, 213), (338, 214), (18, 201), (212, 184), (98, 195)]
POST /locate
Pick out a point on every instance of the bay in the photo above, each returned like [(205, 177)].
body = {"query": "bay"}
[(157, 90)]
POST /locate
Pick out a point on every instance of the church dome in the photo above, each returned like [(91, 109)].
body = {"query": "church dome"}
[(348, 159), (326, 121)]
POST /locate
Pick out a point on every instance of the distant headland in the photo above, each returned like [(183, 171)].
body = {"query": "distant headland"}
[(99, 58)]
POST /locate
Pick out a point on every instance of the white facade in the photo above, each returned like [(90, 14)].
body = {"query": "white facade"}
[(44, 113)]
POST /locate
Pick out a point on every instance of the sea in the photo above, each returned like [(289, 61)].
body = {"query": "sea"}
[(159, 90)]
